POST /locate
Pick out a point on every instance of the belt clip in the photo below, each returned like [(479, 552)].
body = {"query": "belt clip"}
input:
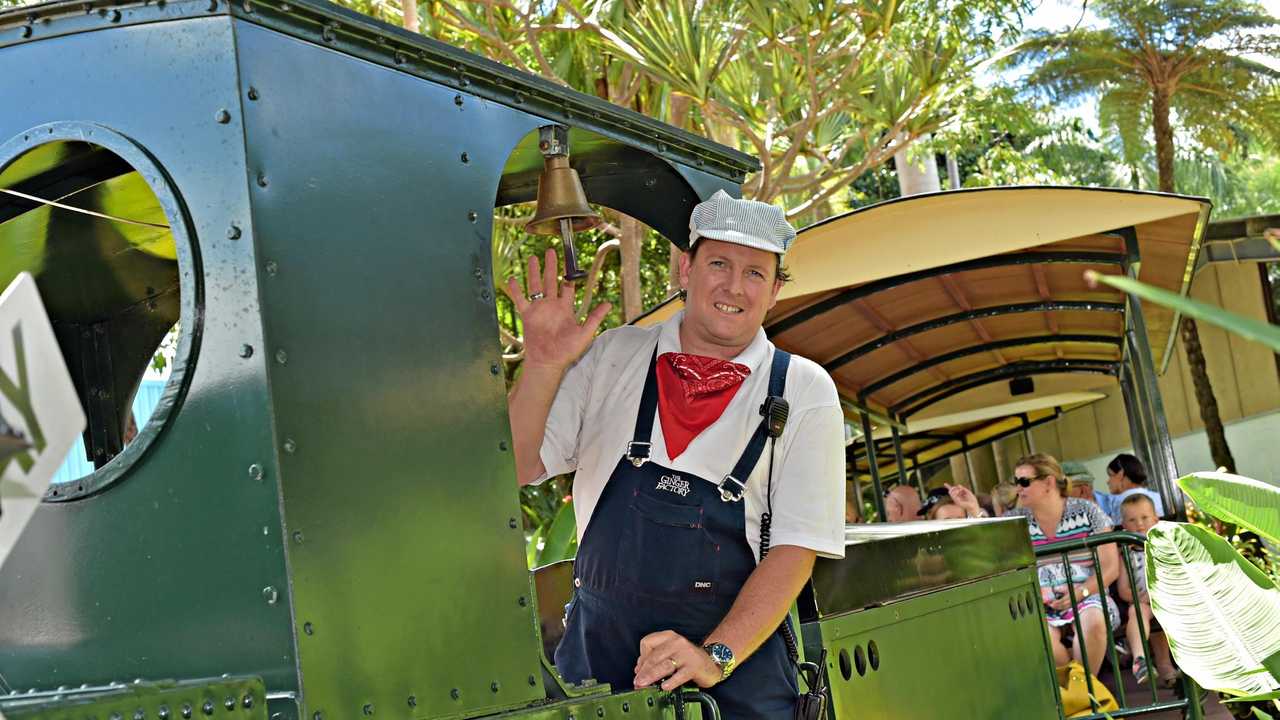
[(727, 494), (638, 452)]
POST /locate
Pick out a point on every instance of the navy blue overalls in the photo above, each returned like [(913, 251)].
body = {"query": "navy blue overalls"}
[(665, 550)]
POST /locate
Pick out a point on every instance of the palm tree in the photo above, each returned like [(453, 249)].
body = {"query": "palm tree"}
[(1165, 63)]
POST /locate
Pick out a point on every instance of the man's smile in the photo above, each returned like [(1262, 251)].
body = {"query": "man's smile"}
[(726, 308)]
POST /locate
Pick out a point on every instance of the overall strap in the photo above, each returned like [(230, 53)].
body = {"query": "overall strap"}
[(638, 448), (735, 483)]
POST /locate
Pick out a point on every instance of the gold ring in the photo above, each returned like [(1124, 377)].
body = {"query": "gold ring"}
[(537, 296), (674, 664)]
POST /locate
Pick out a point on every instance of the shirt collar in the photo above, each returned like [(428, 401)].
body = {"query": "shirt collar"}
[(753, 355)]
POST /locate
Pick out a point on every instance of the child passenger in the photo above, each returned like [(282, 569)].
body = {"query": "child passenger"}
[(1138, 515)]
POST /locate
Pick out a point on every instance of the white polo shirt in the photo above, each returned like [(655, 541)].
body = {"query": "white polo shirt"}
[(594, 417)]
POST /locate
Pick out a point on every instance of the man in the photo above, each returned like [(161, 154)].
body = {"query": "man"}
[(901, 503), (670, 582)]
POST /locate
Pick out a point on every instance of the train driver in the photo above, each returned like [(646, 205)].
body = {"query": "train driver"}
[(697, 528)]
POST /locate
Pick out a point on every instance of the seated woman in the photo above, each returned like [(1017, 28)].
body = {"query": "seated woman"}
[(1051, 517)]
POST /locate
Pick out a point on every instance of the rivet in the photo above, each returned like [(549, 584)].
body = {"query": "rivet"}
[(223, 116), (367, 709), (262, 180), (246, 351), (532, 681), (465, 158), (186, 711), (113, 716), (272, 267), (523, 601), (502, 445), (626, 707), (269, 594), (213, 5), (233, 232), (512, 524), (399, 58), (413, 701), (248, 7), (229, 703), (494, 369), (282, 357), (253, 91), (115, 16), (290, 446), (297, 536), (317, 715), (599, 712), (472, 216), (494, 686), (309, 629), (26, 31), (139, 714), (163, 712), (207, 708), (519, 98), (484, 294), (650, 702), (255, 472), (330, 32), (457, 100), (455, 693), (247, 701)]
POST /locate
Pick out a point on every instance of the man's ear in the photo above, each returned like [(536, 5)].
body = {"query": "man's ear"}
[(686, 264)]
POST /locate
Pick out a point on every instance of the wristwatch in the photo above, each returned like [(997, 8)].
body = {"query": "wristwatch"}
[(722, 656)]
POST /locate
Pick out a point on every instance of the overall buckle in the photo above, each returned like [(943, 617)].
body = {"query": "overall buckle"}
[(727, 493), (638, 452)]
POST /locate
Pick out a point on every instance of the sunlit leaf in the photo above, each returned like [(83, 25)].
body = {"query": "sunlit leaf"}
[(1252, 504)]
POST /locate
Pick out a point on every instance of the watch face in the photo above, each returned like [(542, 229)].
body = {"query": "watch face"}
[(720, 653)]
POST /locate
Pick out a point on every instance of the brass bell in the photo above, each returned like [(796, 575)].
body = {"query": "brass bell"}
[(562, 203)]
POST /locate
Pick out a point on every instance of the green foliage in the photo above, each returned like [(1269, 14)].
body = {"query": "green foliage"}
[(1249, 503), (1246, 327), (1218, 610)]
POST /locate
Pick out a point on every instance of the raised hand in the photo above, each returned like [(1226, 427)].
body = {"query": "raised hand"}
[(553, 336), (964, 497)]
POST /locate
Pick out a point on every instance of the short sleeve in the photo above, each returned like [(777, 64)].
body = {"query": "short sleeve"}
[(808, 501), (563, 434)]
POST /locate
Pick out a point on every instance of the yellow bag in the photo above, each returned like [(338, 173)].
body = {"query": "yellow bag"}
[(1075, 692)]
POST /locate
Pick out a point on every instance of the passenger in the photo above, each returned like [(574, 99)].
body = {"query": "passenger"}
[(1139, 516), (1052, 517), (1079, 481), (901, 503), (1004, 496), (852, 514), (951, 502), (671, 580), (1126, 477)]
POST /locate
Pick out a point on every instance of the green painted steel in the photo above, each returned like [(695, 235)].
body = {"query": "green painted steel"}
[(232, 698), (972, 651), (327, 500)]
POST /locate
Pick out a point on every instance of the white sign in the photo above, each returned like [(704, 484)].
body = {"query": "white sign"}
[(37, 400)]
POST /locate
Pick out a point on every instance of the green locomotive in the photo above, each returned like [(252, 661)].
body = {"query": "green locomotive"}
[(320, 520)]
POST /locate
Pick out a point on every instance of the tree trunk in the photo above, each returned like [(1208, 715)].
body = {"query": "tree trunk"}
[(1204, 397), (917, 173), (632, 233), (1164, 138), (1190, 332), (410, 9)]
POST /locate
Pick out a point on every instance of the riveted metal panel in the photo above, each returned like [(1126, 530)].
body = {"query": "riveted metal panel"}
[(372, 200), (974, 651), (176, 569)]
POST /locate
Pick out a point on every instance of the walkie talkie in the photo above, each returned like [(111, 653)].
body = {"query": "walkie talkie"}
[(775, 410)]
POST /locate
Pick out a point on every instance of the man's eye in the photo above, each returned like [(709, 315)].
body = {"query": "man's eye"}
[(756, 274), (717, 263)]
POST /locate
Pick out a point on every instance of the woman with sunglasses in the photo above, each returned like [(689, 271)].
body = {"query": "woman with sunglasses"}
[(1051, 517)]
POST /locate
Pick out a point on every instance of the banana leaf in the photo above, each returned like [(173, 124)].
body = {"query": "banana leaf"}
[(561, 537), (1246, 327), (1220, 613), (1249, 503)]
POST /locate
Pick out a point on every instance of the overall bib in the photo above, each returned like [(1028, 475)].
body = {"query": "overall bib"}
[(666, 550)]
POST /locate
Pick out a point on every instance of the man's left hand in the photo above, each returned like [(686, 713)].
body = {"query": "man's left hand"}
[(669, 655)]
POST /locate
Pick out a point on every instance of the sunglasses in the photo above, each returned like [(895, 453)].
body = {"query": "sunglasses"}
[(1025, 481)]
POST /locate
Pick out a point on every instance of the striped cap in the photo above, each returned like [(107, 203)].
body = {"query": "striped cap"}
[(744, 222)]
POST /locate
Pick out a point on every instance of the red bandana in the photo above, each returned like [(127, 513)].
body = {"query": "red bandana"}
[(693, 390)]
